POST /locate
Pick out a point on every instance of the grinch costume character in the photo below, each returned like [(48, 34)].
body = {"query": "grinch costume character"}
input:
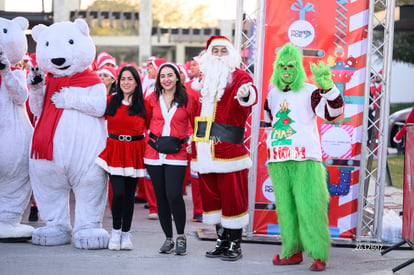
[(294, 156)]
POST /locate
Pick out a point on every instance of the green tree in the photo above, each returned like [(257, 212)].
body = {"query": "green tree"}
[(403, 40), (282, 128)]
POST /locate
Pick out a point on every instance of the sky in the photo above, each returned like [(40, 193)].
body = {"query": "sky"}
[(221, 9)]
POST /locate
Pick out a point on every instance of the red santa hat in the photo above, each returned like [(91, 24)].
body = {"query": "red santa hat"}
[(32, 60), (100, 55), (183, 70), (197, 59), (105, 60), (26, 57), (218, 40), (109, 71), (157, 62)]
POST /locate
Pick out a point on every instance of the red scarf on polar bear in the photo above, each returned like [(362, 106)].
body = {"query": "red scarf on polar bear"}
[(42, 143)]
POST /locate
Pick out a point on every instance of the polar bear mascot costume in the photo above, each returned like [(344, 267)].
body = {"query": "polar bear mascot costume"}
[(70, 133), (15, 131)]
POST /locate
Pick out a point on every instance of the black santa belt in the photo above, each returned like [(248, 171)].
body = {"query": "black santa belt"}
[(125, 137), (205, 129)]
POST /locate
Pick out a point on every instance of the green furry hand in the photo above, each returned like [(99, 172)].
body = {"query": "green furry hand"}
[(322, 75)]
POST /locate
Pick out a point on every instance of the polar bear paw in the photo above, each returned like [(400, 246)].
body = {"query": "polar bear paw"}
[(92, 238), (51, 236), (15, 231)]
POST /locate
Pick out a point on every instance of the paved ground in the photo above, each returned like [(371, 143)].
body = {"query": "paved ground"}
[(25, 258)]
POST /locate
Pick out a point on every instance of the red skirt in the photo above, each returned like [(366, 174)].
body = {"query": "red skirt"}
[(123, 158)]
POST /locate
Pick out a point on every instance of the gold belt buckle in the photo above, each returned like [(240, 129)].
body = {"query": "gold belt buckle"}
[(197, 120)]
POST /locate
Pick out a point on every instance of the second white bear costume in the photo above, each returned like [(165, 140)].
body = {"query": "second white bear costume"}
[(68, 137)]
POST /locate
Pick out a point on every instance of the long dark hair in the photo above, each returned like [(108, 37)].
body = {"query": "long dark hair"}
[(180, 95), (137, 107)]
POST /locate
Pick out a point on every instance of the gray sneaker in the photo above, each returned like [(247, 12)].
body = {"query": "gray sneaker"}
[(167, 247), (181, 248)]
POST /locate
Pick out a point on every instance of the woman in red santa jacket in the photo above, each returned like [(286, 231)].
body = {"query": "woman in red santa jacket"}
[(171, 109), (123, 156)]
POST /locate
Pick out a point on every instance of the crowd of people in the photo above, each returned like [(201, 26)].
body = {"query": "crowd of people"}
[(170, 124)]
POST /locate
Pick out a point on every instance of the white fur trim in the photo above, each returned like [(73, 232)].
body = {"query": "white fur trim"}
[(196, 85), (332, 94), (220, 42), (252, 98), (235, 223), (163, 160), (108, 72), (206, 164), (396, 140), (121, 171), (334, 112), (212, 218)]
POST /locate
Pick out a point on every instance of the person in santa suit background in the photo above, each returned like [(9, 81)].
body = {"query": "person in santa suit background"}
[(191, 175), (171, 112), (148, 83), (400, 134), (123, 155), (219, 154)]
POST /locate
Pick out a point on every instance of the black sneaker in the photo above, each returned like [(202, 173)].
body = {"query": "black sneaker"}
[(167, 247), (181, 248), (33, 217)]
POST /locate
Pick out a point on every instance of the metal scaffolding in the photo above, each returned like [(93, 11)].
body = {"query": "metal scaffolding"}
[(372, 176)]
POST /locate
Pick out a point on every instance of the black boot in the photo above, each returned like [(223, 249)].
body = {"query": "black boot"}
[(33, 214), (234, 252), (222, 242)]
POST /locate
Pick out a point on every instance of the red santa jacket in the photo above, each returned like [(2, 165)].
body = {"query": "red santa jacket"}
[(174, 122), (214, 154)]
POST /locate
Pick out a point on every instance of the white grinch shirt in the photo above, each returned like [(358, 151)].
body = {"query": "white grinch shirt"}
[(293, 134)]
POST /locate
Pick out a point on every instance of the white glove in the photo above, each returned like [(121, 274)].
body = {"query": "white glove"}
[(243, 91), (4, 64), (188, 149)]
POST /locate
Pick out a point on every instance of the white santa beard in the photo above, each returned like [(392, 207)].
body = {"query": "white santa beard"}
[(218, 73)]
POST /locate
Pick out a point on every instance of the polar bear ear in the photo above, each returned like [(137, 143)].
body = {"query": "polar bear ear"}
[(22, 22), (82, 25), (37, 30)]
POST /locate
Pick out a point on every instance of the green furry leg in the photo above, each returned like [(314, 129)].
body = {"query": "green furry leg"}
[(303, 182), (286, 210)]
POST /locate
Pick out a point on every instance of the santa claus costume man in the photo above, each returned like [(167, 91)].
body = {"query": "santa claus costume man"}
[(219, 154)]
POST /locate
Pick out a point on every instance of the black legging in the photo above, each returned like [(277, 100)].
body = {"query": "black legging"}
[(123, 190), (168, 183)]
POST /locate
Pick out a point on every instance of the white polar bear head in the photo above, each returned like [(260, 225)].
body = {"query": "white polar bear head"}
[(64, 48), (13, 42)]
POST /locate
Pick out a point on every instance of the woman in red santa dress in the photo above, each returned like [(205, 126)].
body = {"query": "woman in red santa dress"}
[(171, 109), (123, 156)]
